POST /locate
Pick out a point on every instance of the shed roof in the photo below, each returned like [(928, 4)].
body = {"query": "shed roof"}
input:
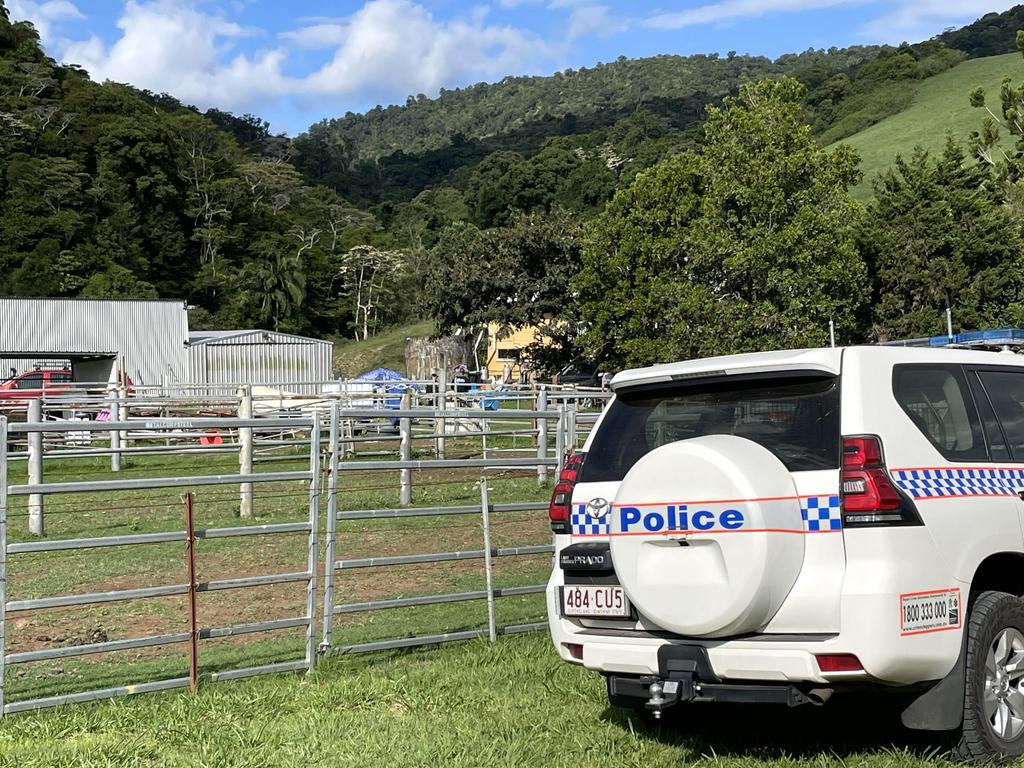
[(249, 336)]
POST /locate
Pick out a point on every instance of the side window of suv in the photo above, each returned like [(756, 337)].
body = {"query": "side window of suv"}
[(32, 381), (1006, 391), (937, 400)]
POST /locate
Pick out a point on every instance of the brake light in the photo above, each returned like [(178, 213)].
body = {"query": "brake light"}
[(560, 509), (869, 496)]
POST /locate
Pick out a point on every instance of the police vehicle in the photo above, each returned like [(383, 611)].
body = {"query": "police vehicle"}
[(780, 527)]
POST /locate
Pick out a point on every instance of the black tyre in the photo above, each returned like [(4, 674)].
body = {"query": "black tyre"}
[(993, 727)]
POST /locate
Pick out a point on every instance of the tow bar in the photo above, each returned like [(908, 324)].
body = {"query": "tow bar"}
[(658, 693)]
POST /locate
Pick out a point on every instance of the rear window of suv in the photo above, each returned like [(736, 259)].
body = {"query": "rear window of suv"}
[(795, 417)]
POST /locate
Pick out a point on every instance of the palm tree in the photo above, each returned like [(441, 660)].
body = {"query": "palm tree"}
[(282, 283)]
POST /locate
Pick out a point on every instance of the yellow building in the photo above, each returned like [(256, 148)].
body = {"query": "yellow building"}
[(505, 349)]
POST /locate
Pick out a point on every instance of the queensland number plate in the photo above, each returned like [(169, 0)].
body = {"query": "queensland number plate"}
[(931, 611), (595, 601)]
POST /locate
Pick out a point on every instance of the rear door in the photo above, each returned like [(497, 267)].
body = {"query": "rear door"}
[(794, 415)]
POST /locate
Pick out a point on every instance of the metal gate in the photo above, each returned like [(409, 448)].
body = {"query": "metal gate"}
[(188, 535)]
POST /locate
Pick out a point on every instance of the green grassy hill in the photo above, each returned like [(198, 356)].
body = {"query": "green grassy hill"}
[(386, 350), (940, 107)]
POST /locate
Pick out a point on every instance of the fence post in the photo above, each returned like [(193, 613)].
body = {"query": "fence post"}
[(36, 524), (442, 405), (485, 510), (122, 412), (190, 566), (3, 555), (560, 439), (245, 450), (314, 521), (542, 437), (405, 429), (332, 524), (570, 438), (115, 436)]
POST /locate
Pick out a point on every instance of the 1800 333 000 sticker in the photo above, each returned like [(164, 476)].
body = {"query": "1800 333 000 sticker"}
[(932, 611)]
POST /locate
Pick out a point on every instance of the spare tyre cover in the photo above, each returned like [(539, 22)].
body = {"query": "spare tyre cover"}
[(705, 536)]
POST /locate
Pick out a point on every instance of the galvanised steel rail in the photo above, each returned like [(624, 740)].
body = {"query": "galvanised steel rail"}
[(534, 424), (334, 568), (308, 576)]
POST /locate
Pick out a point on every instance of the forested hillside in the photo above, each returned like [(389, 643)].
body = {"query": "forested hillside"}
[(394, 153), (991, 35), (493, 202), (108, 191)]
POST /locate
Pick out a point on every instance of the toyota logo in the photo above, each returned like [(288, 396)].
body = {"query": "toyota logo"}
[(597, 508)]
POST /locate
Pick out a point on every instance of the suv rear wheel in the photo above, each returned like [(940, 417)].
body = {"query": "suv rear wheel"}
[(993, 726)]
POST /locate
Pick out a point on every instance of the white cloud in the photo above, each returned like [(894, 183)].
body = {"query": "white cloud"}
[(384, 51), (914, 20), (732, 10), (171, 46), (45, 16), (398, 44), (586, 20)]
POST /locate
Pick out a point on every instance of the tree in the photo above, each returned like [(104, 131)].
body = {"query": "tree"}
[(279, 278), (371, 276), (747, 246), (632, 256), (987, 145), (937, 232), (206, 162)]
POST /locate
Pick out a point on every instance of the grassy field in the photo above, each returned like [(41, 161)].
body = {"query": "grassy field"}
[(467, 705), (385, 350), (939, 108)]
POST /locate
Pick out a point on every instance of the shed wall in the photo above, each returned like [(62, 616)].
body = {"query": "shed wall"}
[(286, 362), (148, 336)]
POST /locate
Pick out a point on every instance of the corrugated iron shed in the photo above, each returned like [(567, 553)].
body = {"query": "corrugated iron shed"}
[(148, 337), (263, 358)]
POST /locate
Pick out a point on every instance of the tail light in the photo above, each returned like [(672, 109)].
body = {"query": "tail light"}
[(560, 509), (869, 496)]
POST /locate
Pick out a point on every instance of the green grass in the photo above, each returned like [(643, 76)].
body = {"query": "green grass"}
[(514, 704), (386, 350), (939, 108)]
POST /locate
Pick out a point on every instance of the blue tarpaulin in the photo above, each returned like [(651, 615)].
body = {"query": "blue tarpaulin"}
[(381, 374)]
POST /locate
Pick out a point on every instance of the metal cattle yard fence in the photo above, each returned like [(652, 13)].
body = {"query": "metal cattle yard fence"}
[(216, 517)]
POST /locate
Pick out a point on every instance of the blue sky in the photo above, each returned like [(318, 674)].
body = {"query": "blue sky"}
[(298, 61)]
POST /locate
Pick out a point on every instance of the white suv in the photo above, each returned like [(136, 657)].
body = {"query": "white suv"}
[(777, 527)]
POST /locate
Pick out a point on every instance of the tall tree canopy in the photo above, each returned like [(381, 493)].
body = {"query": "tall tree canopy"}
[(937, 232), (747, 245)]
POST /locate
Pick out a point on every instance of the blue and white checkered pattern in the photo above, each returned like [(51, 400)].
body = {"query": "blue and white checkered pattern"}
[(821, 513), (975, 481), (582, 523)]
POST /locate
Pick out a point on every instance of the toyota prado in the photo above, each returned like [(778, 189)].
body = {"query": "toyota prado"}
[(778, 527)]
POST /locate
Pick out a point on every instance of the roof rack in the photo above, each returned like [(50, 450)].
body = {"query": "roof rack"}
[(1001, 339)]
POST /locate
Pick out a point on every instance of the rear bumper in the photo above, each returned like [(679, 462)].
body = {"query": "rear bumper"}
[(729, 661), (887, 657)]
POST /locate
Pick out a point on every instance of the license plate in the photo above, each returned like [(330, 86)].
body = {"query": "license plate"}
[(595, 601)]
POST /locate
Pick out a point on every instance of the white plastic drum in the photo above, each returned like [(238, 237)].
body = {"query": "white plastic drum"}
[(706, 536)]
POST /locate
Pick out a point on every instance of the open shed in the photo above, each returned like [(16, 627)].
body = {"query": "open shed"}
[(262, 358), (146, 339)]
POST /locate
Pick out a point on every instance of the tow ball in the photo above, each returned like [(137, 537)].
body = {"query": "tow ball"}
[(664, 693)]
